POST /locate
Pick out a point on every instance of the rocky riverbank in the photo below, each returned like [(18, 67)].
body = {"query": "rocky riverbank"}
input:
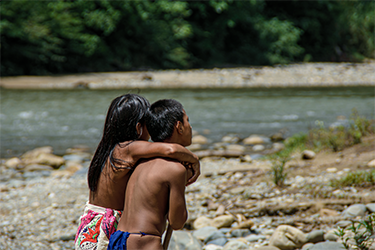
[(295, 75), (233, 205)]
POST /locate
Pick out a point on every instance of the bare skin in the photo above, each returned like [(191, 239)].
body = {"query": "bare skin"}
[(155, 193), (112, 183)]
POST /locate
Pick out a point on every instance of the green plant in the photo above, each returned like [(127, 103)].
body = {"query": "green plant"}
[(359, 178), (278, 169), (337, 138), (362, 230)]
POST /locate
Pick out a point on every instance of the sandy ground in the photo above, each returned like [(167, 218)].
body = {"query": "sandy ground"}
[(295, 75)]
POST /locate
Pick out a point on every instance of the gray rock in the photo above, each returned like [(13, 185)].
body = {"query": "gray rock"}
[(307, 246), (355, 210), (288, 238), (212, 247), (258, 148), (254, 237), (205, 232), (327, 246), (240, 233), (37, 167), (219, 241), (344, 223), (224, 230), (182, 240), (36, 174), (213, 236), (267, 248), (330, 236), (371, 207), (315, 236), (235, 245), (81, 172)]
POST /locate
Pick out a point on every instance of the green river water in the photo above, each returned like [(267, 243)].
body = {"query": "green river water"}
[(64, 118)]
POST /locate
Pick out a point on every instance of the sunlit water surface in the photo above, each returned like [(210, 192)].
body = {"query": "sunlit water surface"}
[(64, 118)]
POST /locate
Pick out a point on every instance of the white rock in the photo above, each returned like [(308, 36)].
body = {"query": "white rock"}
[(253, 139), (371, 164), (199, 139), (258, 148), (308, 155), (13, 163)]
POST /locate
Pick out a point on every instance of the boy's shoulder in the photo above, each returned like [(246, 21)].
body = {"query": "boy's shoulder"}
[(173, 167)]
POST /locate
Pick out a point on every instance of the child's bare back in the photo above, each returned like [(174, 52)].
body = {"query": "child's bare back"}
[(160, 182)]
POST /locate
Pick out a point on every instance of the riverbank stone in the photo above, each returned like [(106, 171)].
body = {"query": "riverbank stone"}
[(182, 240), (288, 238), (199, 139), (255, 237), (308, 155), (326, 246), (355, 210), (205, 232), (14, 163), (371, 207), (236, 245), (371, 164), (219, 241), (253, 140), (240, 233), (315, 236), (215, 235), (223, 221), (331, 236), (201, 222), (212, 247)]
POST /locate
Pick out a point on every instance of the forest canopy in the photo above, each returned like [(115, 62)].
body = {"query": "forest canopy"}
[(61, 36)]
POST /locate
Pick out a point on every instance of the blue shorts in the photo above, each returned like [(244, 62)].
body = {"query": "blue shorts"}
[(119, 239)]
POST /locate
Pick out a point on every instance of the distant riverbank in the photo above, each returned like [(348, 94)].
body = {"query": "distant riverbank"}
[(295, 75)]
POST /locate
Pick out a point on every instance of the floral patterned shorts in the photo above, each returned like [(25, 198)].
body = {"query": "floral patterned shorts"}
[(96, 226)]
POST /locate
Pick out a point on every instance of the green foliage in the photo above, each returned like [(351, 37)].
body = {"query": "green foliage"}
[(278, 168), (359, 178), (337, 138), (297, 141), (363, 231), (53, 37), (358, 27)]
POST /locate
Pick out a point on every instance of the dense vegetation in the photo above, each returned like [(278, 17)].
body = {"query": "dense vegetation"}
[(62, 36)]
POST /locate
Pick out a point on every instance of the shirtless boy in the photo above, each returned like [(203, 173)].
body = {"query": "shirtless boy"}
[(156, 188)]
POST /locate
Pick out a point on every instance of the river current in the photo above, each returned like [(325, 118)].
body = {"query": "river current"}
[(64, 118)]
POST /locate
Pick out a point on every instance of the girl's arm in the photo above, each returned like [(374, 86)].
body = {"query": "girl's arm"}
[(145, 149)]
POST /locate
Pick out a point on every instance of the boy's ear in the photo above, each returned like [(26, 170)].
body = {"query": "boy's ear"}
[(179, 127), (138, 127)]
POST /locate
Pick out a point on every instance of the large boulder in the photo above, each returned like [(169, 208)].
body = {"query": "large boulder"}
[(288, 238)]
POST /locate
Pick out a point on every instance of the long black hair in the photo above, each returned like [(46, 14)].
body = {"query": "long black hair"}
[(120, 125)]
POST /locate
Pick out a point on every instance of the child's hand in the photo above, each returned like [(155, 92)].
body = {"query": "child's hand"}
[(196, 167), (190, 173)]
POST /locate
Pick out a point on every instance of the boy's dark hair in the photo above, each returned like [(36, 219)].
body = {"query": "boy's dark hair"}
[(162, 117)]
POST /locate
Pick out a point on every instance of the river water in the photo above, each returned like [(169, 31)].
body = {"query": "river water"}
[(64, 118)]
